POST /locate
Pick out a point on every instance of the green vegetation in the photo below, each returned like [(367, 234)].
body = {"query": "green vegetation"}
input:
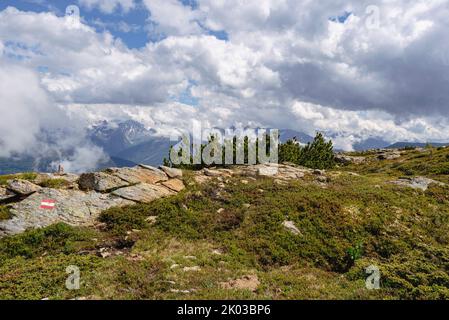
[(54, 183), (430, 162), (30, 176), (59, 238), (318, 154), (232, 231), (5, 214)]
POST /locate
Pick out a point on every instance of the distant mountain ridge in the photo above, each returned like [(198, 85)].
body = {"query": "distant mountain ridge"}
[(129, 142), (399, 145)]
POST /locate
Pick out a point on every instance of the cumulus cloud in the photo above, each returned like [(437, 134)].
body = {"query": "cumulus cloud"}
[(85, 66)]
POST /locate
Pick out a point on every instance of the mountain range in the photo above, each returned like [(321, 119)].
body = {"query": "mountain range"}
[(129, 142)]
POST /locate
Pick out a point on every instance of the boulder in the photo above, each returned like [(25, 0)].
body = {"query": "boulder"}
[(172, 172), (143, 193), (174, 184), (73, 207), (22, 187), (101, 182), (139, 174)]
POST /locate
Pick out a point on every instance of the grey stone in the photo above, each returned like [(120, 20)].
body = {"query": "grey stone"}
[(345, 159), (268, 171), (212, 173), (100, 181), (174, 184), (73, 207), (172, 172), (139, 174), (143, 193), (22, 187), (389, 155), (421, 183), (290, 226)]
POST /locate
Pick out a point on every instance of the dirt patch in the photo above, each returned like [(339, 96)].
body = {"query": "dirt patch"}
[(250, 282)]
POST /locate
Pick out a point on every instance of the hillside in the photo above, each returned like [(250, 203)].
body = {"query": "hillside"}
[(247, 233)]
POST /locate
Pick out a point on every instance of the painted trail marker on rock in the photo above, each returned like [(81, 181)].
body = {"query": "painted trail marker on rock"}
[(48, 204)]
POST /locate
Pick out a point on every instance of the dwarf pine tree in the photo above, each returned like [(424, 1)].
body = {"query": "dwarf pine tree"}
[(318, 154)]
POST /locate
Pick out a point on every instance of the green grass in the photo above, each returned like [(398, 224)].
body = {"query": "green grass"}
[(30, 176), (54, 183), (431, 162), (5, 213), (58, 238)]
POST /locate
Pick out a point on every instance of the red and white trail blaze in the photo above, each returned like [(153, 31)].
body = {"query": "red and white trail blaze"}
[(48, 204)]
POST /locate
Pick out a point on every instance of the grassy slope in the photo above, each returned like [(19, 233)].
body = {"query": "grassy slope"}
[(354, 222)]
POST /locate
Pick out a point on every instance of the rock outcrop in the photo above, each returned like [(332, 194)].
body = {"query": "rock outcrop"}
[(345, 159), (172, 172), (22, 187), (271, 170), (33, 206), (71, 206), (139, 174), (421, 183), (143, 192), (100, 182), (389, 154)]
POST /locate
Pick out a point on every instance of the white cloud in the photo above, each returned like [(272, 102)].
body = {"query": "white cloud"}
[(32, 124), (173, 18), (109, 6), (85, 66)]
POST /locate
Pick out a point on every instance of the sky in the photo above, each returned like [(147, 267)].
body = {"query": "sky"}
[(353, 69)]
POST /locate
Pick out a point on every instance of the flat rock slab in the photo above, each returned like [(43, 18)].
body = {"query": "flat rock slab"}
[(212, 172), (174, 184), (143, 193), (22, 187), (73, 207), (172, 172), (139, 174), (101, 182)]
